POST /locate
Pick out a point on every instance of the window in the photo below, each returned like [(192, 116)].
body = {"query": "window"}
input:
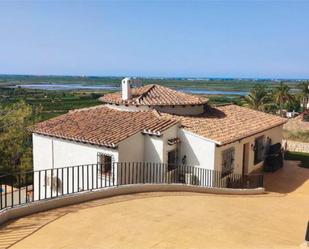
[(228, 158), (105, 164), (259, 150)]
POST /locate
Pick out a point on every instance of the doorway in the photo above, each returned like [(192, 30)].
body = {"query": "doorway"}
[(172, 160), (245, 159)]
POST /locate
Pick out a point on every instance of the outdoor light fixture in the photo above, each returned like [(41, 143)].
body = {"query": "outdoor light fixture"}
[(307, 235), (253, 147)]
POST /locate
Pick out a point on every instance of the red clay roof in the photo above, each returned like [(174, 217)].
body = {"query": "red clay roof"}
[(228, 123), (151, 95), (102, 125), (106, 126)]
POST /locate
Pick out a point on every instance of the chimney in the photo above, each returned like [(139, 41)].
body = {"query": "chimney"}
[(126, 88)]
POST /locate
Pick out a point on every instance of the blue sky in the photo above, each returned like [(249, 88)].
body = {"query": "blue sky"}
[(158, 38)]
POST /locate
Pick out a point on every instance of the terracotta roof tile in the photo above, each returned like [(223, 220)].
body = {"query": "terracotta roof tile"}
[(103, 125), (151, 95), (228, 123)]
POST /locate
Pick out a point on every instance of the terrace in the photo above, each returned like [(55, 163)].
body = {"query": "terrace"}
[(175, 219)]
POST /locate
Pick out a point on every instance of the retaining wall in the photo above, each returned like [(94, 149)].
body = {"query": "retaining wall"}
[(295, 146), (44, 205)]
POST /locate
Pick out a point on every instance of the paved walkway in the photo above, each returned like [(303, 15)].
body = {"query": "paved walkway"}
[(175, 220)]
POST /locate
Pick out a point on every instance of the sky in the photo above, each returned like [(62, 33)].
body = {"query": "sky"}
[(254, 39)]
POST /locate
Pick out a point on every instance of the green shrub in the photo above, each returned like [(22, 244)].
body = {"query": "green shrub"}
[(298, 156)]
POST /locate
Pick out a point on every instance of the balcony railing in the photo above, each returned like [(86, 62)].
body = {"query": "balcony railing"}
[(26, 187)]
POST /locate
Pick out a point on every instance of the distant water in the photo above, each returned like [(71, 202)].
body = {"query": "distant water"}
[(65, 87), (68, 87), (211, 92)]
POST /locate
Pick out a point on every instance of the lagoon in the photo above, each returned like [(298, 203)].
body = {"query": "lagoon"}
[(70, 87)]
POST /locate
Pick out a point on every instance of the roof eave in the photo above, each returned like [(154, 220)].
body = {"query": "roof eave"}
[(252, 134), (107, 145)]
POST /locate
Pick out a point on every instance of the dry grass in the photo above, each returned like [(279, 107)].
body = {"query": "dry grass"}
[(301, 136), (296, 129)]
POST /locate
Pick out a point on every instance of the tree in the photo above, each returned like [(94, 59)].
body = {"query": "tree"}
[(15, 139), (304, 94), (258, 97), (281, 96)]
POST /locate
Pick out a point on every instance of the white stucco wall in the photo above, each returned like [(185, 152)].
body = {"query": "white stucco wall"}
[(132, 149), (50, 152), (275, 134), (156, 148), (153, 146), (42, 152), (198, 150)]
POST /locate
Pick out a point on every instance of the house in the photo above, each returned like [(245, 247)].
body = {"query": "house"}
[(153, 123)]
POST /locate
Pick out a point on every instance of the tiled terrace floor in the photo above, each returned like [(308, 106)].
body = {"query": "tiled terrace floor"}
[(175, 220)]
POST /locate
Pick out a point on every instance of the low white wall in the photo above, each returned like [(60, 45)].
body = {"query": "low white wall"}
[(275, 134), (45, 205)]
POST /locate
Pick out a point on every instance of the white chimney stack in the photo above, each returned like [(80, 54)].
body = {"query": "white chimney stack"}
[(126, 88)]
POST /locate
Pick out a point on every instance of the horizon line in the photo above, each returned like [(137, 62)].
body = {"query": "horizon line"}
[(158, 77)]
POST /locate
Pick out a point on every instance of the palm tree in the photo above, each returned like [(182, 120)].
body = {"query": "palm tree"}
[(281, 95), (258, 97), (304, 94)]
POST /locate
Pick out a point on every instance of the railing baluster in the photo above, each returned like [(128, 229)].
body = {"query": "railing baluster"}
[(83, 177), (73, 176), (129, 173), (114, 173), (87, 176), (96, 175), (121, 173), (12, 191), (32, 192), (5, 193), (136, 172), (45, 184), (68, 180), (26, 182), (19, 188), (57, 182), (78, 178), (92, 176), (51, 183), (39, 189), (62, 190)]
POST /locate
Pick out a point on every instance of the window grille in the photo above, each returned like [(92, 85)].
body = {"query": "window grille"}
[(228, 158)]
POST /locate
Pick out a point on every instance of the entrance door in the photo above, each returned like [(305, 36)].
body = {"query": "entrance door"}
[(245, 160), (171, 160)]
